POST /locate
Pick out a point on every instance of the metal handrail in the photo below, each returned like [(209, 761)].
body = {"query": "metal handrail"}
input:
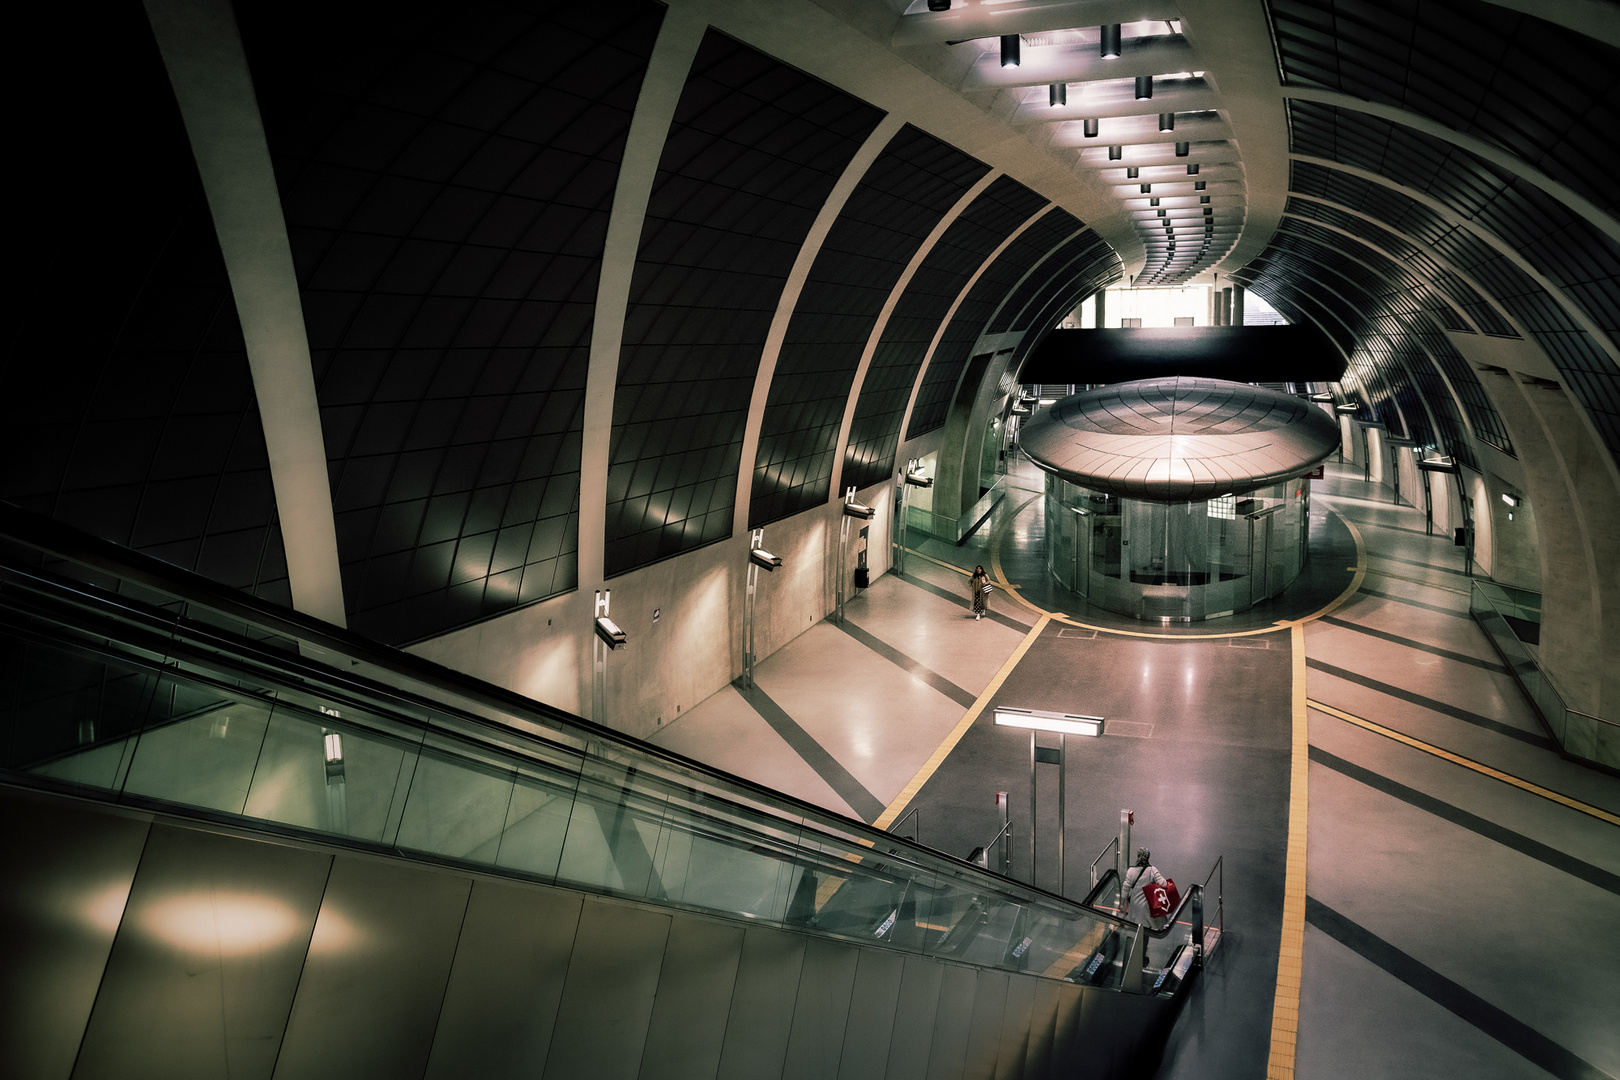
[(169, 618), (1114, 843)]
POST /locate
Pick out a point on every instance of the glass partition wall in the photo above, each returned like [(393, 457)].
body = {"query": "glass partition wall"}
[(1176, 562), (198, 701)]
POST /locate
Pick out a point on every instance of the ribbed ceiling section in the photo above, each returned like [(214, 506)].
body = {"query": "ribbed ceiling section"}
[(1493, 230), (128, 409), (447, 175), (898, 202), (753, 153)]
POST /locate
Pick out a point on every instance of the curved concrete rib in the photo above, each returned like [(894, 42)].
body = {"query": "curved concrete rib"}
[(678, 41), (207, 67), (882, 323), (886, 130)]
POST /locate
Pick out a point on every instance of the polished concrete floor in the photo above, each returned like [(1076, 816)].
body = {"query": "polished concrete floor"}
[(1458, 921)]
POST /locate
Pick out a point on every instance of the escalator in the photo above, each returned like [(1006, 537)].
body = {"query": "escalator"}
[(241, 842)]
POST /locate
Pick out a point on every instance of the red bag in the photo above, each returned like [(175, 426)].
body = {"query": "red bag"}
[(1161, 899)]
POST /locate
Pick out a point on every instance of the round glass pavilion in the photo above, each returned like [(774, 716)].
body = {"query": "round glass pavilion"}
[(1178, 499)]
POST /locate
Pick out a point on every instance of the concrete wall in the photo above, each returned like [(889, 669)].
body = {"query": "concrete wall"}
[(683, 619)]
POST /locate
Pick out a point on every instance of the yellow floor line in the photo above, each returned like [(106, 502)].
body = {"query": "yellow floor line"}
[(1467, 763), (1290, 960), (909, 792)]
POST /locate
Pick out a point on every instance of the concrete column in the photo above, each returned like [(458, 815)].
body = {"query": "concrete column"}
[(1580, 547), (1375, 455), (1237, 305), (1226, 306), (1102, 308)]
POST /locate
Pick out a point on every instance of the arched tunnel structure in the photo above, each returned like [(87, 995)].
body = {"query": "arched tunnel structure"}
[(445, 322)]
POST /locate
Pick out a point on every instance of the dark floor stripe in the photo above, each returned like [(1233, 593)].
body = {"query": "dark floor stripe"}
[(1382, 635), (1510, 1031), (1415, 562), (963, 602), (900, 659), (815, 755), (1554, 858), (1417, 604), (1432, 705)]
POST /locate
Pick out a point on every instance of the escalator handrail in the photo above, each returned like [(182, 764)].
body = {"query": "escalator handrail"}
[(74, 546)]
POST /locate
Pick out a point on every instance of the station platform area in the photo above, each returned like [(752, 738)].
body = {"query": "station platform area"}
[(1403, 852)]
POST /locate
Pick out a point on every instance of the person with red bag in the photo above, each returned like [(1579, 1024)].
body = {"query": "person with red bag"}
[(1152, 896)]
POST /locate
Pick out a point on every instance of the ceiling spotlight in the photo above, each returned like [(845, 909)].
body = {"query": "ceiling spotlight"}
[(939, 5), (1203, 198), (1167, 121), (1144, 87), (1192, 170), (1182, 149), (1147, 188), (1200, 185), (1109, 46), (1010, 46), (1209, 211), (1162, 212), (1115, 153), (1091, 127), (1057, 94), (1132, 173), (1153, 201)]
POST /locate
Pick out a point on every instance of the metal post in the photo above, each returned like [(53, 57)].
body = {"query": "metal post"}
[(1006, 834), (843, 554), (1122, 857), (599, 651), (749, 607), (1032, 864), (1063, 768)]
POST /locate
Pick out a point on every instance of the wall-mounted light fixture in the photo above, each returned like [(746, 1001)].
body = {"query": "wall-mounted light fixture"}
[(334, 748), (762, 558), (1321, 396), (917, 479), (1108, 46), (1144, 87), (1347, 407), (859, 510), (609, 632), (1011, 50), (1057, 94), (1435, 464), (1511, 500)]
